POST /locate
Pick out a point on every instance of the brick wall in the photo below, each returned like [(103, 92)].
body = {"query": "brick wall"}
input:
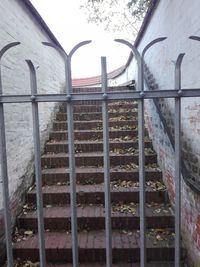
[(177, 20), (17, 24)]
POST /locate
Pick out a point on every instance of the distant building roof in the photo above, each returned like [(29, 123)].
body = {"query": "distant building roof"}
[(96, 80)]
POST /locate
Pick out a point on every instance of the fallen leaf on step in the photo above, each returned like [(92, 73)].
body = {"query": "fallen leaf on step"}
[(29, 233)]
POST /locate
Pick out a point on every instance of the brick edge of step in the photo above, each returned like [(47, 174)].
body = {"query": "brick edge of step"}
[(92, 247)]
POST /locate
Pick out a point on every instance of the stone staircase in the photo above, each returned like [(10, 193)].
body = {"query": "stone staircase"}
[(90, 194)]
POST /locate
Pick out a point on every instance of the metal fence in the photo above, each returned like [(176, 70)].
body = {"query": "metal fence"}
[(105, 96)]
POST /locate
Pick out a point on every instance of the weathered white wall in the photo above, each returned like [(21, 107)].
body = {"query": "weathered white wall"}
[(177, 20), (16, 24)]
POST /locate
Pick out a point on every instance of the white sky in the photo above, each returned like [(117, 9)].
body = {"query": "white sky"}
[(69, 24)]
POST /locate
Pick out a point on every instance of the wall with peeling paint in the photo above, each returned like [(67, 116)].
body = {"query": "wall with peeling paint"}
[(177, 20)]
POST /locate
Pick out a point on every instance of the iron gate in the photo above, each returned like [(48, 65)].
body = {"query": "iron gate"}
[(69, 98)]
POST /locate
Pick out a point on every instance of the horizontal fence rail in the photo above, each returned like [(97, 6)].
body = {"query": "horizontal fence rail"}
[(171, 93), (105, 96)]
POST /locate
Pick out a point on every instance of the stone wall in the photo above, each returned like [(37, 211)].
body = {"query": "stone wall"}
[(177, 20), (17, 24)]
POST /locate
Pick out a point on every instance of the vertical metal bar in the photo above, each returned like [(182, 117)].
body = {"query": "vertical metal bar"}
[(141, 168), (4, 173), (177, 183), (141, 130), (178, 162), (4, 170), (106, 151), (140, 87), (72, 172), (37, 150), (70, 122)]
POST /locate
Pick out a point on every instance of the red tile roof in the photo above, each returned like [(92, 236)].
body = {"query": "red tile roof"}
[(96, 80)]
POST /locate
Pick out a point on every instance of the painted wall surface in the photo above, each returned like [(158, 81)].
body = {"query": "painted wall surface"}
[(177, 20), (16, 24)]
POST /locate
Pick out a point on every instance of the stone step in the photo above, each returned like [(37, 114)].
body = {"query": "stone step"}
[(92, 146), (96, 124), (94, 194), (93, 159), (98, 107), (125, 246), (90, 193), (99, 89), (92, 217), (120, 135), (99, 102), (129, 115), (91, 175), (120, 264)]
